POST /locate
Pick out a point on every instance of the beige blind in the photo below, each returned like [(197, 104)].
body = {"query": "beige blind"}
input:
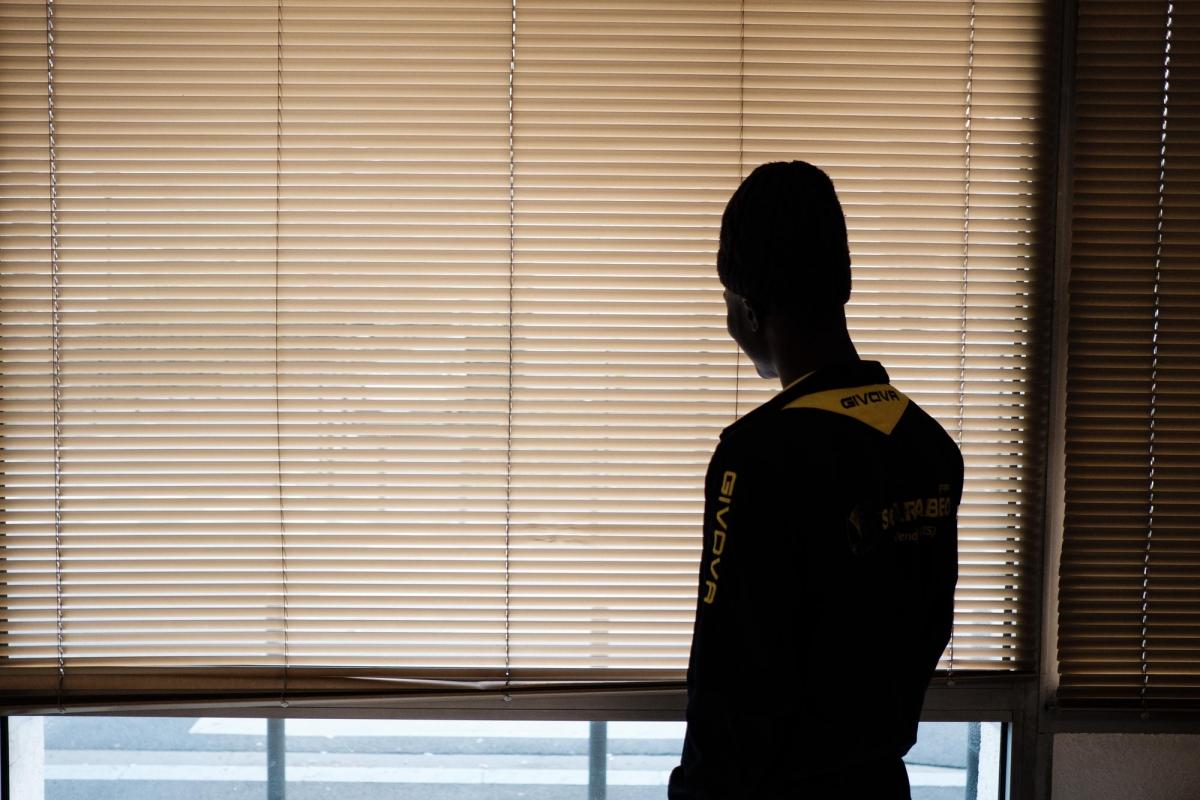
[(1129, 628), (388, 340)]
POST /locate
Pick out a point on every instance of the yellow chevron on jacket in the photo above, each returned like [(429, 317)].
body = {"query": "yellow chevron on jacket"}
[(879, 405)]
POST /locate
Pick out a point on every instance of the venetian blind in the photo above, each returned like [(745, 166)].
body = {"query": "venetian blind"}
[(1129, 626), (383, 340)]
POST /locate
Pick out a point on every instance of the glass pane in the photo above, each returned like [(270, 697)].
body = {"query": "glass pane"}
[(211, 758), (956, 761)]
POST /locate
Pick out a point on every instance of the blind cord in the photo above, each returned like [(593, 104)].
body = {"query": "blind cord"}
[(741, 90), (1158, 251), (56, 361), (508, 443), (966, 239), (283, 556), (741, 171)]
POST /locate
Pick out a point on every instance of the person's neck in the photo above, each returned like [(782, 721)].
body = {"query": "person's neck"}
[(796, 356)]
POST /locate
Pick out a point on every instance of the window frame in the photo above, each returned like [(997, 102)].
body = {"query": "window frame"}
[(1023, 700)]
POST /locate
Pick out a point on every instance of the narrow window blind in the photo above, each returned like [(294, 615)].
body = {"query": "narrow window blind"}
[(1129, 629), (389, 350)]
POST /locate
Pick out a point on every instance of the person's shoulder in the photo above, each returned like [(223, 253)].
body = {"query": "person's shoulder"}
[(920, 424), (774, 440)]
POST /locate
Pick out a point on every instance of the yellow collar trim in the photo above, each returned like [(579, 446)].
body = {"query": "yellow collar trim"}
[(793, 383)]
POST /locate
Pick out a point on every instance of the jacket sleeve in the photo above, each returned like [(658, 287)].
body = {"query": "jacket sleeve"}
[(735, 738)]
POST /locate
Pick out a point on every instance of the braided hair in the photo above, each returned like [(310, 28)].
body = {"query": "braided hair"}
[(783, 240)]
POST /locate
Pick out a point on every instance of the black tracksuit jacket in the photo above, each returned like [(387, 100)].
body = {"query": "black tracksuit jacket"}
[(826, 587)]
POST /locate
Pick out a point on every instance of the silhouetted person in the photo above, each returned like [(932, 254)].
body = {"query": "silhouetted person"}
[(827, 577)]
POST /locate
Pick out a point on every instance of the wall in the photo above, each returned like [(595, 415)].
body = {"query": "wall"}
[(1094, 766), (27, 758)]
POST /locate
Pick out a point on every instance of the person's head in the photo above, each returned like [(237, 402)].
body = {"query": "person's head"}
[(783, 256)]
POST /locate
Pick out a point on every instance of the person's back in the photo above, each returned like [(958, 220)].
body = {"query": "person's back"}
[(827, 575)]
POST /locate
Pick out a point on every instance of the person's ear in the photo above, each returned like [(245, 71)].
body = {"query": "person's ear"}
[(752, 317)]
